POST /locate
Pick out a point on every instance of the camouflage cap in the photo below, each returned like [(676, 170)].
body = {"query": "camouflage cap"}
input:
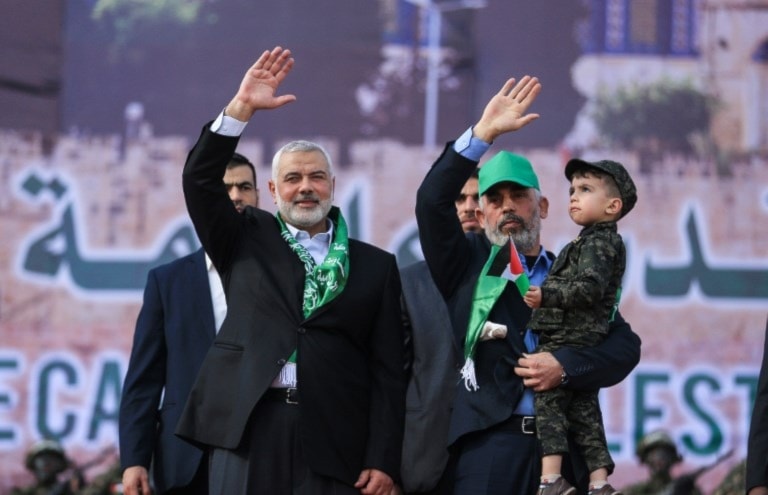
[(507, 167), (655, 439), (41, 447), (614, 169)]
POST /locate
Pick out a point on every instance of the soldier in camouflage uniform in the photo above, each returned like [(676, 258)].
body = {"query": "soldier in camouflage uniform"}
[(657, 450), (107, 483), (734, 482), (47, 460), (573, 308)]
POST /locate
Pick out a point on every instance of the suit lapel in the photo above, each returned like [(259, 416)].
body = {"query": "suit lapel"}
[(284, 269), (293, 283)]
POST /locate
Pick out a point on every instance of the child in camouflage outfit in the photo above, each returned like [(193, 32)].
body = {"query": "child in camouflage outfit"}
[(573, 308)]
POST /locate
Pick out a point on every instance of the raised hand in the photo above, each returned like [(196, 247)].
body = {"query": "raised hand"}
[(259, 85), (506, 111)]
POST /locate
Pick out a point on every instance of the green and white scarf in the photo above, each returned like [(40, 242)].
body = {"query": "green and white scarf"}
[(487, 291), (323, 282)]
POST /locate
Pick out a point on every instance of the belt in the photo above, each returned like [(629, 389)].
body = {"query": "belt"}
[(525, 425), (286, 395)]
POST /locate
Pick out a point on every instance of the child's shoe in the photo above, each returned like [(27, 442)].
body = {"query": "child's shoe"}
[(557, 487), (604, 490)]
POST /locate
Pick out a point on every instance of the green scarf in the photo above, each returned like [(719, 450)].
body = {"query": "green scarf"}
[(487, 291), (323, 282)]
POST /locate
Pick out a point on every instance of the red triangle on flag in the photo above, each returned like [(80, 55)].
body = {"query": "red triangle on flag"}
[(516, 269)]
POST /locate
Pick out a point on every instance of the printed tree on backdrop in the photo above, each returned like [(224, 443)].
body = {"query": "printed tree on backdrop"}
[(655, 119), (128, 18)]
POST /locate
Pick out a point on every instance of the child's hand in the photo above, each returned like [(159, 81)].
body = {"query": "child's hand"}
[(533, 297)]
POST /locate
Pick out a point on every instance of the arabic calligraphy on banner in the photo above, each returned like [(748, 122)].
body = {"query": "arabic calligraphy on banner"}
[(82, 226)]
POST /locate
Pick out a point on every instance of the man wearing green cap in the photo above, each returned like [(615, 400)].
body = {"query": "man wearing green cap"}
[(492, 438)]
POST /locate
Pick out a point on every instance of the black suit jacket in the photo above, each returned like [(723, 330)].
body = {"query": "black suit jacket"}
[(350, 351), (174, 330), (757, 448), (455, 260)]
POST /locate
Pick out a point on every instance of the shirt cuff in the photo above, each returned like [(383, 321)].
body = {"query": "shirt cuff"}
[(228, 126), (470, 147)]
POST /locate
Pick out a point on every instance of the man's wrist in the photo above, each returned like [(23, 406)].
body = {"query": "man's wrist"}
[(470, 147), (483, 132), (563, 377), (226, 125), (239, 109)]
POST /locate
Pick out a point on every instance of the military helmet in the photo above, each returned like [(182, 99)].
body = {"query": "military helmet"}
[(656, 438), (43, 446)]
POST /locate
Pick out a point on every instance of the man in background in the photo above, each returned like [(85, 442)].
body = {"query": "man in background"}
[(658, 452), (183, 308), (433, 373), (53, 471)]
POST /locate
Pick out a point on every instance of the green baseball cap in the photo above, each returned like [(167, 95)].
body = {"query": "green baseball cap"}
[(507, 167)]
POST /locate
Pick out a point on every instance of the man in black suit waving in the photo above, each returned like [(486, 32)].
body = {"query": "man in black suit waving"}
[(491, 436), (303, 389)]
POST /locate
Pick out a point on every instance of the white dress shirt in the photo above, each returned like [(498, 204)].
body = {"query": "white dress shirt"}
[(217, 294)]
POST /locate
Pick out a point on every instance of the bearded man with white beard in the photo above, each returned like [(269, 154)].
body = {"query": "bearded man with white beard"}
[(303, 390)]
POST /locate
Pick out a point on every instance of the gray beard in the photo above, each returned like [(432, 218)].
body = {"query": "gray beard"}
[(303, 219), (525, 239)]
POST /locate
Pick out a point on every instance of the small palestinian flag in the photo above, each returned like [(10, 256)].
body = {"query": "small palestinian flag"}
[(518, 275)]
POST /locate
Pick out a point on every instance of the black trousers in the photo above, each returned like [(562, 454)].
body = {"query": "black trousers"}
[(198, 485), (500, 460), (269, 460)]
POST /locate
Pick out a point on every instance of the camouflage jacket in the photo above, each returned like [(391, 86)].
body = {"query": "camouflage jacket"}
[(60, 488), (580, 293), (105, 483), (735, 481)]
